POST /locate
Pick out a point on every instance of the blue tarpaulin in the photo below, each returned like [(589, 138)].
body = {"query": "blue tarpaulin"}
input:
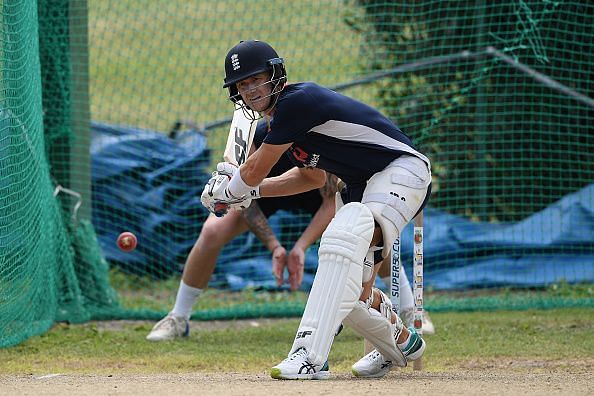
[(150, 184)]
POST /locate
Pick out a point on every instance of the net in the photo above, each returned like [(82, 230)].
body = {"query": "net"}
[(112, 116)]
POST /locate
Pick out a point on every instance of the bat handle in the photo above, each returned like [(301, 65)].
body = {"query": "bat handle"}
[(220, 209)]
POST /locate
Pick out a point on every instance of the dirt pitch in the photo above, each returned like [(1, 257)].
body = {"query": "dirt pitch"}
[(473, 381)]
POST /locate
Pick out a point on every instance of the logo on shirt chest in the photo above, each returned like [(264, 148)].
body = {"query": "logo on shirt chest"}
[(308, 160)]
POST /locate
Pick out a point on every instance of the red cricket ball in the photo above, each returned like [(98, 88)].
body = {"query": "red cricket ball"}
[(220, 209), (127, 241)]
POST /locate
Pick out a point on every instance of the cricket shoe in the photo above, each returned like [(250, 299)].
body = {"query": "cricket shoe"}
[(373, 365), (407, 316), (169, 328), (297, 366)]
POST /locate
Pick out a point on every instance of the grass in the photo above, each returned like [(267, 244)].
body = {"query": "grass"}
[(143, 293), (153, 62), (560, 337)]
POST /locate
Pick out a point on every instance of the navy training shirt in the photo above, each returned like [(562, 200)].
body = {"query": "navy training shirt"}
[(336, 133), (284, 163), (309, 201)]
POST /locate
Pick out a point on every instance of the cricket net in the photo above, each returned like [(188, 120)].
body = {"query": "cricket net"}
[(497, 94)]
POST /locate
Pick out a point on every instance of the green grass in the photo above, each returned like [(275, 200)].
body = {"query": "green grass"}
[(142, 293), (559, 337), (153, 62)]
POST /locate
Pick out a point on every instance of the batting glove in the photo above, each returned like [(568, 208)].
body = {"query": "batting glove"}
[(216, 198)]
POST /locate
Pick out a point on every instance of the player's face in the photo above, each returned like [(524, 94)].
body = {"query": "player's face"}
[(256, 91)]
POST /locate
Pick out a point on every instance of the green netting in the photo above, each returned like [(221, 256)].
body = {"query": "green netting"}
[(50, 266), (498, 94)]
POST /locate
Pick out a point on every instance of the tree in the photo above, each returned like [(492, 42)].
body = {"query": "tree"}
[(503, 145)]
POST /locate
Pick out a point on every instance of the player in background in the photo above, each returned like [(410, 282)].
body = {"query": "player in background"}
[(218, 231), (387, 184)]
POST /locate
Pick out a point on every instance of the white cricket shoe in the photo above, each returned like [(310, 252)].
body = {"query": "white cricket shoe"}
[(297, 366), (169, 328), (407, 316), (374, 365)]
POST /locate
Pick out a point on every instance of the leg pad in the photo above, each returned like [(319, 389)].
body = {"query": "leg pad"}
[(378, 329), (337, 285)]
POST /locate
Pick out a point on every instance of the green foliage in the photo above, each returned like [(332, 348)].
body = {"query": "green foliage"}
[(487, 127), (564, 289)]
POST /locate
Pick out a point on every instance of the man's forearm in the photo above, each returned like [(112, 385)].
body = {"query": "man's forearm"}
[(318, 224), (258, 224), (294, 181), (324, 214)]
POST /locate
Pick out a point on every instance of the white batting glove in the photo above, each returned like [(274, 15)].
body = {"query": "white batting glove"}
[(216, 198), (226, 168), (229, 169)]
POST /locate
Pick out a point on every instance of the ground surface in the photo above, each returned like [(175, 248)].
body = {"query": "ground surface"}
[(476, 377), (492, 381)]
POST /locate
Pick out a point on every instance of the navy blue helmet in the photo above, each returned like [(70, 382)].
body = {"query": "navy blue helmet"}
[(249, 58)]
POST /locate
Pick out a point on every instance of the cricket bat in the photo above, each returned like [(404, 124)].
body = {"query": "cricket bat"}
[(241, 135), (239, 141)]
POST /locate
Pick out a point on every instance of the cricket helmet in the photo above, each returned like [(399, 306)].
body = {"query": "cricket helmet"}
[(249, 58)]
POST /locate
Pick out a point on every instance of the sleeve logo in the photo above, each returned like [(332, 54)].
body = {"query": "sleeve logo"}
[(304, 158)]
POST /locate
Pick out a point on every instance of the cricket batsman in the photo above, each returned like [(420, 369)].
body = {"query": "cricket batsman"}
[(388, 181)]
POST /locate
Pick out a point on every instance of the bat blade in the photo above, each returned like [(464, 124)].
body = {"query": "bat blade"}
[(241, 135)]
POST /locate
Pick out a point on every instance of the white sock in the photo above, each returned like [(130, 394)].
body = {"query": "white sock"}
[(406, 294), (186, 296)]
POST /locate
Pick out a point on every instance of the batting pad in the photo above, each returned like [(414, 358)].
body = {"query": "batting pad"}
[(337, 284), (378, 329), (395, 194)]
